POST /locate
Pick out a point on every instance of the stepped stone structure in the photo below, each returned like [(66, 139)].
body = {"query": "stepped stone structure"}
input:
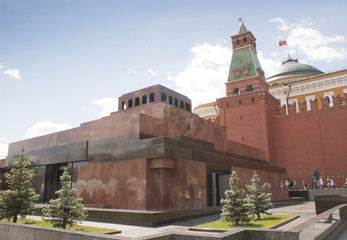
[(152, 155)]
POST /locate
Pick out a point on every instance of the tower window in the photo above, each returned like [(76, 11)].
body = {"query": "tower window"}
[(176, 102), (137, 101), (237, 73), (182, 104), (163, 97), (237, 42), (235, 91), (130, 103), (187, 106), (151, 97), (249, 88), (245, 71), (244, 40), (124, 106), (144, 99)]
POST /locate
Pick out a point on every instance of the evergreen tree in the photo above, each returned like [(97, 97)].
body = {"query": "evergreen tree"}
[(19, 198), (258, 197), (67, 209), (235, 206)]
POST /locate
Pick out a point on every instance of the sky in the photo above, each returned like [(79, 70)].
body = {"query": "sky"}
[(66, 62)]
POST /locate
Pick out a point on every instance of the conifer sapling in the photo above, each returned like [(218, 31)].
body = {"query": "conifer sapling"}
[(258, 197), (235, 206), (67, 209), (20, 197)]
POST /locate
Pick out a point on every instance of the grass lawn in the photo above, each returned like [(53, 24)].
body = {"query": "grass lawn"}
[(78, 228), (266, 221)]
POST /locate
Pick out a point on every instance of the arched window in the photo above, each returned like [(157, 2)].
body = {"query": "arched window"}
[(244, 40), (237, 73), (237, 42), (245, 71)]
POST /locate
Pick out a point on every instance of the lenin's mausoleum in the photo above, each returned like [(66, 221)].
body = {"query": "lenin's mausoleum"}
[(154, 153)]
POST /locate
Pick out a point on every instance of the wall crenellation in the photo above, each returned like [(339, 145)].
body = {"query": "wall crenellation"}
[(338, 103)]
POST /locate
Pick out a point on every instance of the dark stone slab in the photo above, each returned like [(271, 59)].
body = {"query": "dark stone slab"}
[(325, 202), (303, 194), (147, 218)]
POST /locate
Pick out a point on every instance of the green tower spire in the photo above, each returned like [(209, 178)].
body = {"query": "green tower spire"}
[(242, 29), (244, 61)]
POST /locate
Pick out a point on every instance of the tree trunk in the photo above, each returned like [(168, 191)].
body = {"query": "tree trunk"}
[(15, 219)]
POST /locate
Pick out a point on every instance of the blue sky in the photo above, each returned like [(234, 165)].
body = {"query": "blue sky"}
[(66, 62)]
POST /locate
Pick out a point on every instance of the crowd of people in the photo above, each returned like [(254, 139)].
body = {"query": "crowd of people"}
[(317, 183)]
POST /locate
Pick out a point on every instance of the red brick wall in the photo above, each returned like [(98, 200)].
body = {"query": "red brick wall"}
[(247, 118), (317, 139)]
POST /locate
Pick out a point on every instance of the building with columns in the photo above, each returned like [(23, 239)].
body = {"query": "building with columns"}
[(295, 83)]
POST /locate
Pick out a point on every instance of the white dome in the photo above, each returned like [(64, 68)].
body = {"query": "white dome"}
[(292, 68)]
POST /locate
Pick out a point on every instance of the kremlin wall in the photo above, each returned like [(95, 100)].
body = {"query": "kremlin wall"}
[(308, 140)]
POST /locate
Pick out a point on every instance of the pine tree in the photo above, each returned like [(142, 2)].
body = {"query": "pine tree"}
[(235, 206), (258, 197), (20, 197), (67, 209)]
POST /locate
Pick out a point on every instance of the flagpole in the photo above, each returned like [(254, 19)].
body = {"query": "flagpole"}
[(287, 49)]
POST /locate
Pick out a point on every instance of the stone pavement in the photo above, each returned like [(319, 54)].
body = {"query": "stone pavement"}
[(306, 211), (343, 235)]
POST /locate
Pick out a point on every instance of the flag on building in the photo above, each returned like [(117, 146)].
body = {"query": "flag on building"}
[(282, 42)]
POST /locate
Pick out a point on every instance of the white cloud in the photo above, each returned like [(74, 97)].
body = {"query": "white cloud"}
[(152, 72), (132, 71), (169, 76), (283, 26), (43, 128), (1, 66), (13, 73), (107, 105), (3, 148), (268, 65), (310, 42), (315, 45), (205, 74)]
